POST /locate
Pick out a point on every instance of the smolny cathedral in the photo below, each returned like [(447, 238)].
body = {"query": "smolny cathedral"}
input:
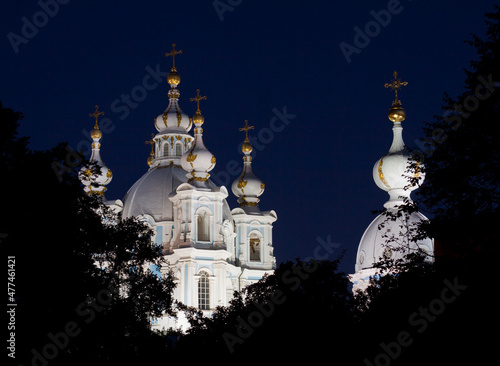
[(214, 250)]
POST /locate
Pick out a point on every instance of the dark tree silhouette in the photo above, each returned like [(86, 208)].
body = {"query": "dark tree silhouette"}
[(70, 310), (462, 186), (301, 312)]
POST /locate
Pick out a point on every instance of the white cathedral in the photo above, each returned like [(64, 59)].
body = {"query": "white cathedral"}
[(211, 250)]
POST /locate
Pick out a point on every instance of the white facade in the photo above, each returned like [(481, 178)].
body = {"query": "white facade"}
[(211, 250)]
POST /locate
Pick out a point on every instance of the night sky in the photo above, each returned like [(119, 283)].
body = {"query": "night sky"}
[(320, 121)]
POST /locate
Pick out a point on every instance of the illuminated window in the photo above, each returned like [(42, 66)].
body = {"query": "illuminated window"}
[(203, 292), (254, 244), (203, 226)]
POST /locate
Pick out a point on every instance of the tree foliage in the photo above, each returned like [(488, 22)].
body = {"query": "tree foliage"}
[(303, 311), (462, 187), (58, 235)]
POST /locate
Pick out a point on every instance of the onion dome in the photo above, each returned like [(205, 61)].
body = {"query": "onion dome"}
[(247, 187), (173, 119), (198, 161), (95, 175), (395, 173), (396, 170)]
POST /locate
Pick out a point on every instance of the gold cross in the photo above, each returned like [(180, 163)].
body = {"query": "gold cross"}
[(197, 99), (173, 53), (396, 85), (151, 142), (96, 114), (246, 128)]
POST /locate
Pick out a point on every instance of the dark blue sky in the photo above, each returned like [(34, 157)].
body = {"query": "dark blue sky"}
[(250, 59)]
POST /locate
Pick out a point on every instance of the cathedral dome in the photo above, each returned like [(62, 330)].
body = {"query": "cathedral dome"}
[(247, 187), (198, 161), (149, 195), (173, 119), (388, 238), (394, 171), (95, 175), (391, 235)]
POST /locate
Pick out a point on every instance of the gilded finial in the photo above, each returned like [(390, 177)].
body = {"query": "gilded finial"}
[(397, 112), (197, 100), (152, 141), (96, 115), (396, 85), (96, 133), (152, 154), (173, 53), (246, 128), (246, 147), (198, 118)]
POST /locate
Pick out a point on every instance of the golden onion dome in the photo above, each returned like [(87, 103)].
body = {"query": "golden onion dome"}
[(150, 159), (397, 114), (198, 119), (246, 148), (174, 78), (96, 133)]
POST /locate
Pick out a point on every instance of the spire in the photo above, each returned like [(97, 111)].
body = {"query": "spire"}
[(198, 161), (392, 172), (247, 187), (173, 119), (95, 181)]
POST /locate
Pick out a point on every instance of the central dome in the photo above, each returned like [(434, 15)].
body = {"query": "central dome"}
[(149, 195)]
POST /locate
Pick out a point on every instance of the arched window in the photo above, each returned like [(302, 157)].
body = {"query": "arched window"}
[(203, 227), (203, 291), (178, 149), (165, 149), (254, 247)]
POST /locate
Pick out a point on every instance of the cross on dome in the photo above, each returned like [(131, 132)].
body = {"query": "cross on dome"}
[(151, 142), (173, 53), (96, 133), (396, 85), (197, 100), (152, 154), (246, 128), (96, 114)]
